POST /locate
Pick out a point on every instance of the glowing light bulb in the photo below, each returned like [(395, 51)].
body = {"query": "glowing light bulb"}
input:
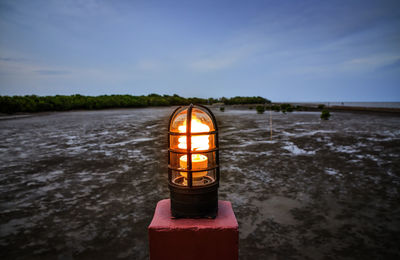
[(198, 143)]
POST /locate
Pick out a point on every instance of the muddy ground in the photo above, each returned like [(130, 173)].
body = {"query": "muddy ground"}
[(83, 185)]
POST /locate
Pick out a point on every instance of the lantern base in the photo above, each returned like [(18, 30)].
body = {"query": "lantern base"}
[(181, 180), (196, 202)]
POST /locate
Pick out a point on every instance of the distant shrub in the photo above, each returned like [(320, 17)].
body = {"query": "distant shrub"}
[(325, 115), (276, 108), (244, 100), (222, 109), (35, 103), (286, 108), (260, 109), (321, 106), (250, 107)]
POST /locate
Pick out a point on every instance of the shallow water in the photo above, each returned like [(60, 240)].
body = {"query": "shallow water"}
[(80, 185)]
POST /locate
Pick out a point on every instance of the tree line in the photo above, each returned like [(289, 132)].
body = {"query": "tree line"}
[(33, 103)]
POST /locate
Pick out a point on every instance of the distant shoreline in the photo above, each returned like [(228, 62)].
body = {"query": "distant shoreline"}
[(388, 107), (305, 107), (349, 104), (333, 108), (363, 109)]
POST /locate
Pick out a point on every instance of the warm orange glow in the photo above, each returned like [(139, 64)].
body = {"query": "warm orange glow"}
[(199, 143), (199, 161)]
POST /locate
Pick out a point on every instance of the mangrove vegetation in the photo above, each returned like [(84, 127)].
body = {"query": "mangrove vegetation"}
[(33, 103)]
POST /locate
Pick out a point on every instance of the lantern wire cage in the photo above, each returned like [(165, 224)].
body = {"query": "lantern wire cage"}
[(193, 161), (193, 146)]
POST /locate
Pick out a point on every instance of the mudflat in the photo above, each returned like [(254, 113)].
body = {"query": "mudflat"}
[(84, 184)]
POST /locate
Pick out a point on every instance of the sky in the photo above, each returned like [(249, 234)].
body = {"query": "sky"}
[(280, 50)]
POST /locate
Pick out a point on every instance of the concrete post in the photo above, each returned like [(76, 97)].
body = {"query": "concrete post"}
[(193, 239)]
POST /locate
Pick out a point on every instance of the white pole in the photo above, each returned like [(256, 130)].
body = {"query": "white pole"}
[(270, 120)]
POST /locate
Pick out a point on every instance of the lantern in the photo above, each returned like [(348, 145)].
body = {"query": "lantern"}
[(193, 162)]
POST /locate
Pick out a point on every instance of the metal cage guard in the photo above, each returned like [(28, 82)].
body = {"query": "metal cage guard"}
[(193, 201), (189, 151)]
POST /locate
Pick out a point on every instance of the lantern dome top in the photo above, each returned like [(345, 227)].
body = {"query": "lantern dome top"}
[(201, 120)]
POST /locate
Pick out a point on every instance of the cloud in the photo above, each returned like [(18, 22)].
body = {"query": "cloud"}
[(213, 63), (52, 72), (227, 56), (11, 59), (357, 65), (148, 65), (378, 62), (390, 66), (10, 65)]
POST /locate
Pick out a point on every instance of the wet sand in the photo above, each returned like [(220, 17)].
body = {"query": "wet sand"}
[(83, 185)]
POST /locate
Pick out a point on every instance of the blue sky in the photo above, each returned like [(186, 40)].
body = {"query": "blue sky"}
[(281, 50)]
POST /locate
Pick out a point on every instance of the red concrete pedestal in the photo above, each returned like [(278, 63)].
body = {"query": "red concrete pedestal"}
[(193, 239)]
